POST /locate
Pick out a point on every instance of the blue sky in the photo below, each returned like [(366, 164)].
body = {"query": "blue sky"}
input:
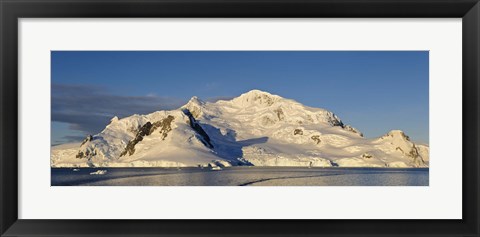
[(374, 91)]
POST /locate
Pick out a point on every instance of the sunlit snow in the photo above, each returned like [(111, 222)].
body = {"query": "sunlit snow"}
[(256, 128)]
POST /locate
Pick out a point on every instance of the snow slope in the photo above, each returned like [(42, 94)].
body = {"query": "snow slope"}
[(256, 128)]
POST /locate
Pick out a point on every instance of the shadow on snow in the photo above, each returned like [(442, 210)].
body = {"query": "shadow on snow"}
[(226, 144)]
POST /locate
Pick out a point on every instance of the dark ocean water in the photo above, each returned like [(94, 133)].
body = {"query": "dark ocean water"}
[(242, 176)]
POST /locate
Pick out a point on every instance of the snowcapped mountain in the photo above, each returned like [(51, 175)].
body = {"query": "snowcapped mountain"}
[(256, 128)]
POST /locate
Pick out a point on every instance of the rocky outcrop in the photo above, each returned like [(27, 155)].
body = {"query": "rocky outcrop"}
[(80, 155), (204, 138), (413, 153), (87, 139), (352, 129), (316, 139), (147, 129), (144, 131), (367, 156), (262, 99), (298, 132), (165, 126), (89, 152), (280, 114)]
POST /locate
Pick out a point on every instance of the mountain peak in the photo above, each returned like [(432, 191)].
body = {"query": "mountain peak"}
[(195, 106), (397, 134), (256, 97), (256, 92), (114, 119), (194, 101)]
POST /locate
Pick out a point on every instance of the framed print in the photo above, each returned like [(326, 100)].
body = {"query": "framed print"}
[(239, 118)]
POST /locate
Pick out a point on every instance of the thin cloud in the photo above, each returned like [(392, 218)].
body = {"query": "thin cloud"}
[(89, 108)]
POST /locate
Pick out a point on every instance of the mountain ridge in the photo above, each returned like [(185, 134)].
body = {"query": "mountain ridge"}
[(255, 128)]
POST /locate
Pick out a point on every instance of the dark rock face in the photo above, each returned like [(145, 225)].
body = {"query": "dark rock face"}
[(352, 129), (413, 153), (334, 121), (279, 113), (366, 156), (147, 129), (263, 99), (143, 131), (165, 126), (87, 139), (205, 139), (316, 138), (298, 132), (87, 154), (80, 155), (417, 158)]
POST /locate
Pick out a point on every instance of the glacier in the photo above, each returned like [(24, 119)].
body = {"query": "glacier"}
[(254, 129)]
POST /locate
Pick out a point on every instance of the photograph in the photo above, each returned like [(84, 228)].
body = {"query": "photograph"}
[(239, 118)]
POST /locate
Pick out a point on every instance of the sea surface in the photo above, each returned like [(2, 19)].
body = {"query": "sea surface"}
[(241, 176)]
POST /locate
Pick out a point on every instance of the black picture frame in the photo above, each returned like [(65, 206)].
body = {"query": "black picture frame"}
[(11, 11)]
